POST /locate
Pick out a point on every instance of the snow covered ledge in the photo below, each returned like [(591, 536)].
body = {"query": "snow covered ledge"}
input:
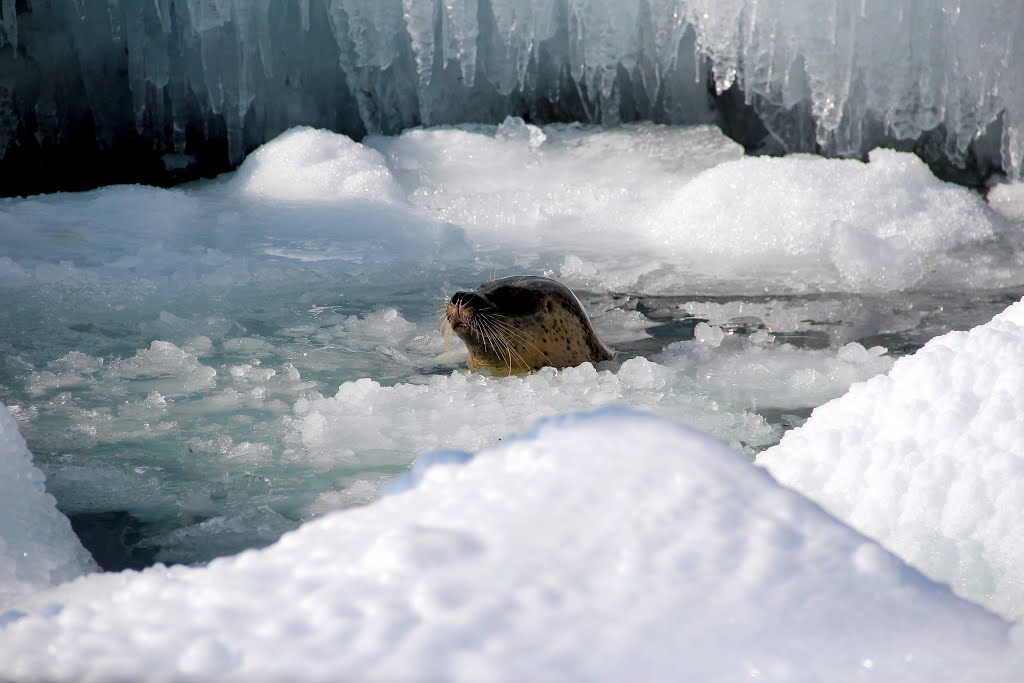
[(37, 547), (612, 546), (929, 460)]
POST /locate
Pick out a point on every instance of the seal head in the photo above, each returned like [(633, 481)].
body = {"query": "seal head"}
[(523, 323)]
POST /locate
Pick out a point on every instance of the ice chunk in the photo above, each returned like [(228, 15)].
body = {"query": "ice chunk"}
[(307, 165), (716, 387), (689, 563), (1008, 199), (927, 460), (37, 547)]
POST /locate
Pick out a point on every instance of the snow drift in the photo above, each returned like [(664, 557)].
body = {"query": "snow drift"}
[(928, 460), (541, 559)]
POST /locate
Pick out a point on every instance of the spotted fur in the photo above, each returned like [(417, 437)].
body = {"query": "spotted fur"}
[(523, 323)]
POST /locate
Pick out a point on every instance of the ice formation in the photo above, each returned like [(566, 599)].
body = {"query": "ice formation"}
[(928, 460), (37, 547), (171, 77), (226, 359), (543, 558)]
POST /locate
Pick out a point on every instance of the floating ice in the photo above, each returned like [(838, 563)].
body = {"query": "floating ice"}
[(714, 387), (601, 548), (191, 355), (928, 460), (37, 547)]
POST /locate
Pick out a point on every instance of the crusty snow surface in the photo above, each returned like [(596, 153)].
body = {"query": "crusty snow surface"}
[(929, 460), (611, 546)]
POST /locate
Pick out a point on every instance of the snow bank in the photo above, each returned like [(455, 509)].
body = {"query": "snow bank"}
[(884, 225), (644, 207), (656, 209), (543, 559), (37, 547), (928, 460)]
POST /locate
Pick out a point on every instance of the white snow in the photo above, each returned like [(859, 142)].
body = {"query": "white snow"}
[(37, 547), (276, 331), (714, 387), (641, 208), (609, 547), (888, 224), (928, 460), (691, 208), (309, 165), (228, 360), (1008, 199)]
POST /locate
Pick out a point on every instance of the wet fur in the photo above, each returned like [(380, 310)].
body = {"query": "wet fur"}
[(519, 324)]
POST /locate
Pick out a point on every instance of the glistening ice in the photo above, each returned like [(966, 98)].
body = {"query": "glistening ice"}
[(199, 371), (208, 81)]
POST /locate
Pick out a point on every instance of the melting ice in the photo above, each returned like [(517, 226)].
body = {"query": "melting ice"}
[(200, 370), (223, 361)]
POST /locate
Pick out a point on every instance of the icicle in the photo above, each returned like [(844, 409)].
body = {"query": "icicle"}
[(419, 23), (461, 30), (8, 30)]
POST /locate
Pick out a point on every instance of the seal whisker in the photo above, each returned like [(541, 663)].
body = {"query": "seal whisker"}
[(486, 334), (519, 335), (487, 337), (496, 336), (511, 354), (446, 332)]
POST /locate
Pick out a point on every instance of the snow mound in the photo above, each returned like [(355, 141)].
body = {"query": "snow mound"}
[(37, 547), (885, 225), (541, 559), (309, 165), (928, 460)]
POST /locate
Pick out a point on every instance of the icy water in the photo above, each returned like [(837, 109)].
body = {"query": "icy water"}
[(198, 371)]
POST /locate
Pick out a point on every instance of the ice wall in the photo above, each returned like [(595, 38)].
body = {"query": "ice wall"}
[(873, 69), (37, 546), (194, 85)]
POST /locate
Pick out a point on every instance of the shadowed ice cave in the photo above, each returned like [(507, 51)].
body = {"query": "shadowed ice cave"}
[(95, 92)]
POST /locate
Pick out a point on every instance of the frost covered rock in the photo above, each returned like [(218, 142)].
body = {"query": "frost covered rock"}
[(37, 547), (609, 547), (928, 460)]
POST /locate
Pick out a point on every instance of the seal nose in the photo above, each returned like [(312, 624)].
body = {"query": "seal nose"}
[(463, 299), (460, 310)]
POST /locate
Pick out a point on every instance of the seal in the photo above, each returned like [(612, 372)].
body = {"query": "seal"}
[(523, 323)]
